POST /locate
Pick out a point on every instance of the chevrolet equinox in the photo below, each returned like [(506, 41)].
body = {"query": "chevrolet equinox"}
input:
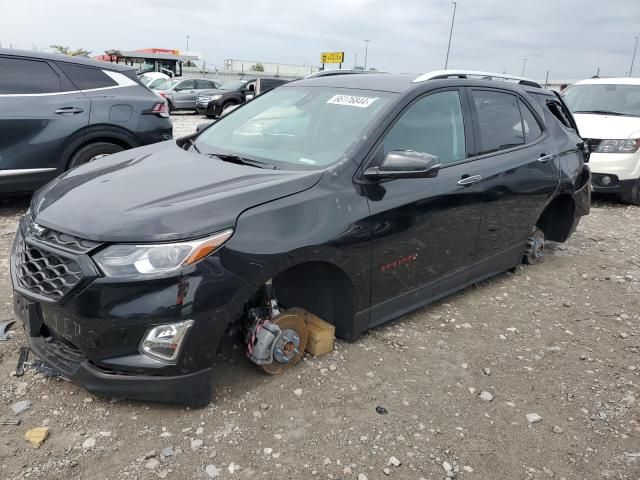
[(355, 198)]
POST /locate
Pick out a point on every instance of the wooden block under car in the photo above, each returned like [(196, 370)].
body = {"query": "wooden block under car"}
[(321, 336)]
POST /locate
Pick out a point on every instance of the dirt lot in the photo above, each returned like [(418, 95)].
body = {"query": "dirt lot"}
[(561, 340)]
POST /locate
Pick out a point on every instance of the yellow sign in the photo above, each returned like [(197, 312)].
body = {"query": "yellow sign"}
[(332, 57)]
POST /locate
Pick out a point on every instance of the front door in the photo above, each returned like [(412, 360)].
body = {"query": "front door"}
[(519, 161), (424, 230)]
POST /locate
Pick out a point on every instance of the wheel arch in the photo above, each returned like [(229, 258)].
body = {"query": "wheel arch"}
[(322, 288), (557, 219), (98, 133)]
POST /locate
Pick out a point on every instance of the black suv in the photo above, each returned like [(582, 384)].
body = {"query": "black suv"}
[(213, 102), (353, 198), (57, 112)]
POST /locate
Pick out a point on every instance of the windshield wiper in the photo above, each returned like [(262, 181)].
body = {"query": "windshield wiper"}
[(601, 112), (225, 157)]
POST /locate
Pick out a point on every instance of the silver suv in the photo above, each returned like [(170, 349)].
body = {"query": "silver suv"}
[(181, 93)]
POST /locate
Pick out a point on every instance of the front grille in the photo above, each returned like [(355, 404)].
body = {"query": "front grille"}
[(66, 241), (593, 143), (45, 273)]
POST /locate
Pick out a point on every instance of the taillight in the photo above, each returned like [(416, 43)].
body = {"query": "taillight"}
[(160, 109)]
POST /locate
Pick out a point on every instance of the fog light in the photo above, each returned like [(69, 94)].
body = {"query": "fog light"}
[(164, 341), (606, 180)]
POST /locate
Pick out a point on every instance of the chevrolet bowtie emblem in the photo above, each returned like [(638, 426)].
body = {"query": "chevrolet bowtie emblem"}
[(36, 229)]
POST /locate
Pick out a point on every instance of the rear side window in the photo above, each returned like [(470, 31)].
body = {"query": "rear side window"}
[(86, 78), (22, 76), (499, 121), (532, 130), (434, 124), (204, 84)]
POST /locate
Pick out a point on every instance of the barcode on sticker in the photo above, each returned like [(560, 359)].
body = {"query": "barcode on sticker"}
[(352, 100)]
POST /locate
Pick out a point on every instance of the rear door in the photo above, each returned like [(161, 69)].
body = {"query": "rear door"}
[(39, 110), (424, 229), (520, 166), (185, 94)]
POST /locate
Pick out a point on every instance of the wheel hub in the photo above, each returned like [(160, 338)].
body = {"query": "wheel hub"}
[(286, 346), (536, 246)]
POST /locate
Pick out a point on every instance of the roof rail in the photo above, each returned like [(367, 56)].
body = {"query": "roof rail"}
[(501, 77)]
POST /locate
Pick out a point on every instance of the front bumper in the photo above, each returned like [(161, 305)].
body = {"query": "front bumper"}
[(192, 389), (622, 165), (211, 108), (92, 333)]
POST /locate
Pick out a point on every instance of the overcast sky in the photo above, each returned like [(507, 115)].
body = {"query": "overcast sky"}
[(570, 38)]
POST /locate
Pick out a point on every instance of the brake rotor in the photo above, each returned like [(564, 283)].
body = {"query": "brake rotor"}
[(289, 347)]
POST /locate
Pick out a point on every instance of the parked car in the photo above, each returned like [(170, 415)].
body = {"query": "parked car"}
[(181, 93), (229, 96), (58, 112), (607, 111), (152, 79), (355, 198)]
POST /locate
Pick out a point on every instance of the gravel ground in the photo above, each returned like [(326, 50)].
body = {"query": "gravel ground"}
[(460, 381), (185, 123)]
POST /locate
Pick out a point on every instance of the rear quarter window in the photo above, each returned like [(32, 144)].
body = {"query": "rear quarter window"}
[(23, 76), (557, 110), (86, 78)]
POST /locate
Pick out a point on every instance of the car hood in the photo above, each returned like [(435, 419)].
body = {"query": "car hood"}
[(157, 193), (607, 126)]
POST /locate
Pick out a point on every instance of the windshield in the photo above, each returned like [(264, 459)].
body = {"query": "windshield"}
[(165, 84), (604, 98), (237, 85), (303, 128)]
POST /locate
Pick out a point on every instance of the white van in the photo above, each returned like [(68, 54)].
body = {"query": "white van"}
[(607, 111)]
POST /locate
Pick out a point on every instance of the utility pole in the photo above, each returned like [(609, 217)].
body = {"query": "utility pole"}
[(355, 63), (633, 58), (546, 80), (366, 51), (453, 19), (187, 43), (524, 65)]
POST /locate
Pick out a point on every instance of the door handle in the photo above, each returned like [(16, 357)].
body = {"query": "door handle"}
[(544, 158), (68, 110), (466, 181)]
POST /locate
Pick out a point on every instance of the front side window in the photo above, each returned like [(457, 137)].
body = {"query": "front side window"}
[(499, 121), (186, 85), (304, 128), (22, 76), (434, 125), (86, 78), (604, 99)]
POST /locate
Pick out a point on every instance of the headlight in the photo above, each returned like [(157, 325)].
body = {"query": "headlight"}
[(630, 145), (127, 260), (216, 97), (164, 341)]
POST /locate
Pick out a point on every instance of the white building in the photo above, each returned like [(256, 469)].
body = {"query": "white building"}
[(278, 69)]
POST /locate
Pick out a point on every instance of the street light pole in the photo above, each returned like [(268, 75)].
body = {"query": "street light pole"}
[(187, 43), (633, 58), (524, 65), (355, 63), (366, 51), (453, 19)]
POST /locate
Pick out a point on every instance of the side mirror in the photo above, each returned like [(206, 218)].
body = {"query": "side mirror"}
[(405, 164), (203, 125)]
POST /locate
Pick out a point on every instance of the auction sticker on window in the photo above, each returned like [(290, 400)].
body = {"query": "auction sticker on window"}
[(352, 100)]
